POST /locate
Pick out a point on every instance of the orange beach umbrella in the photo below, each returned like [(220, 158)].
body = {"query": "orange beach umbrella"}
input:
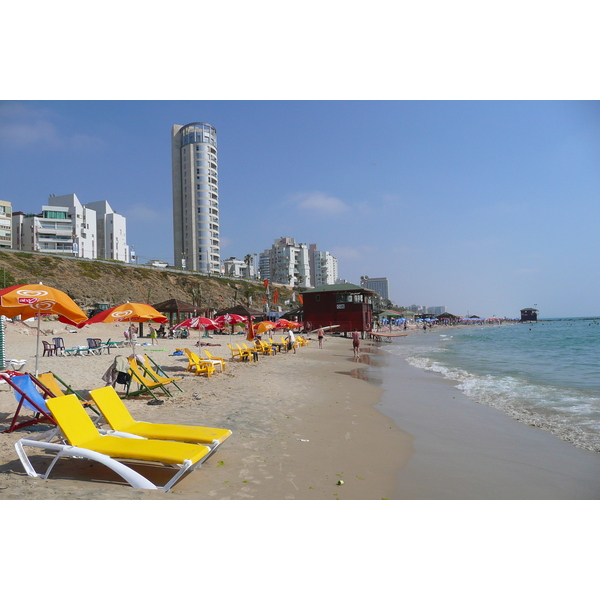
[(38, 300), (130, 312)]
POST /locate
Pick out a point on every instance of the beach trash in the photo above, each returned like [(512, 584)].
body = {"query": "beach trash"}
[(340, 482)]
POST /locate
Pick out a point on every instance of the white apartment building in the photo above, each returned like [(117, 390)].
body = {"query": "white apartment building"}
[(289, 263), (237, 268), (5, 224), (64, 226), (323, 266), (112, 232), (194, 162)]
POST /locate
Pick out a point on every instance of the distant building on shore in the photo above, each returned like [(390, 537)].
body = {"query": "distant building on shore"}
[(5, 224), (195, 177), (529, 314), (377, 284)]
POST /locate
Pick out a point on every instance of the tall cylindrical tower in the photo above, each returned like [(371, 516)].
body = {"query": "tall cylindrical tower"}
[(195, 198)]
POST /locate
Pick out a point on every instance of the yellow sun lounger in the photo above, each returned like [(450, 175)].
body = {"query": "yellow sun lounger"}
[(85, 441), (118, 417)]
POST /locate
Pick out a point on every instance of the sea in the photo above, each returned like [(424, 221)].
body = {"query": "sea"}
[(544, 373)]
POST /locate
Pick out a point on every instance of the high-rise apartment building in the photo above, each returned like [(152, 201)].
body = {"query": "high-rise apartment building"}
[(323, 266), (289, 263), (195, 197), (377, 284), (112, 232)]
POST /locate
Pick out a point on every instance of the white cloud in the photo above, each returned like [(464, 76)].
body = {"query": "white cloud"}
[(22, 126), (318, 202)]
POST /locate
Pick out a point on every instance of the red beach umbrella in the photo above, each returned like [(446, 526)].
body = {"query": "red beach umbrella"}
[(199, 323)]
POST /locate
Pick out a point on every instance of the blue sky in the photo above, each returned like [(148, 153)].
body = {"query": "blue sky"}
[(482, 206)]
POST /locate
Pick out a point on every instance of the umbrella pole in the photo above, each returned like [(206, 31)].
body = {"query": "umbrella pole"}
[(37, 344)]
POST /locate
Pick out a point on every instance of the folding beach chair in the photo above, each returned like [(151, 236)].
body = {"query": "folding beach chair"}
[(118, 417), (53, 383), (30, 394), (155, 372), (145, 384), (86, 442)]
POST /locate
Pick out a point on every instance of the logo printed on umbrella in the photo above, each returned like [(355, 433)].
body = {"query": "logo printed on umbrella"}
[(32, 293), (26, 300), (121, 314), (46, 304)]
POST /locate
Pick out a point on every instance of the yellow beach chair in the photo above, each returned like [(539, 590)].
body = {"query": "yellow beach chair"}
[(84, 441), (199, 366), (120, 420), (215, 360), (146, 385), (156, 373)]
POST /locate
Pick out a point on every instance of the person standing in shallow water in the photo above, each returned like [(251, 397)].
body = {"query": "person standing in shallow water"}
[(356, 343)]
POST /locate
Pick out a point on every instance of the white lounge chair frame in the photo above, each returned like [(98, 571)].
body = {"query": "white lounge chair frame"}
[(132, 477)]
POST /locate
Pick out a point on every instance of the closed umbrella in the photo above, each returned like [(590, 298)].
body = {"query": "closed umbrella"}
[(37, 300)]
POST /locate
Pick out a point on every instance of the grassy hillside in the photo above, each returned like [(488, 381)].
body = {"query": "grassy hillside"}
[(92, 281)]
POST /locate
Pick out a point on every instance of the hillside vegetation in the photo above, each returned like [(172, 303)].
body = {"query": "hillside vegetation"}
[(91, 281)]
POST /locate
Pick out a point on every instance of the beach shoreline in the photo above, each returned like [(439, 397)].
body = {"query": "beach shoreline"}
[(313, 426)]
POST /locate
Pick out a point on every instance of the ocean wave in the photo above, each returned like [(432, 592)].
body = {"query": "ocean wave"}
[(569, 414)]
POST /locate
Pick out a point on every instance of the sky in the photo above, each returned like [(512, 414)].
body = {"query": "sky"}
[(454, 151), (484, 207)]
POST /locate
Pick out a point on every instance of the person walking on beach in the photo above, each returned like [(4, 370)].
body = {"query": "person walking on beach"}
[(153, 335), (320, 337), (356, 343), (291, 341)]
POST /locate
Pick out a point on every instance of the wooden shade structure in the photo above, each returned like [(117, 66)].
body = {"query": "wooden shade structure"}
[(177, 308)]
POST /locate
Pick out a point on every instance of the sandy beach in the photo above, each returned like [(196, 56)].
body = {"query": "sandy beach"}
[(302, 423), (299, 423)]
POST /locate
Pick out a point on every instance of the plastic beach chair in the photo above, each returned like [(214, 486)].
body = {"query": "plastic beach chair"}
[(215, 360), (238, 353), (30, 395), (86, 442), (49, 349), (118, 417), (199, 366)]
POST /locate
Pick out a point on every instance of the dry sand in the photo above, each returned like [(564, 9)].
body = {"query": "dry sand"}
[(300, 424)]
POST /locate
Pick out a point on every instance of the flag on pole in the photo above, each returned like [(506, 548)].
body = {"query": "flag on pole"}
[(275, 296), (300, 299)]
